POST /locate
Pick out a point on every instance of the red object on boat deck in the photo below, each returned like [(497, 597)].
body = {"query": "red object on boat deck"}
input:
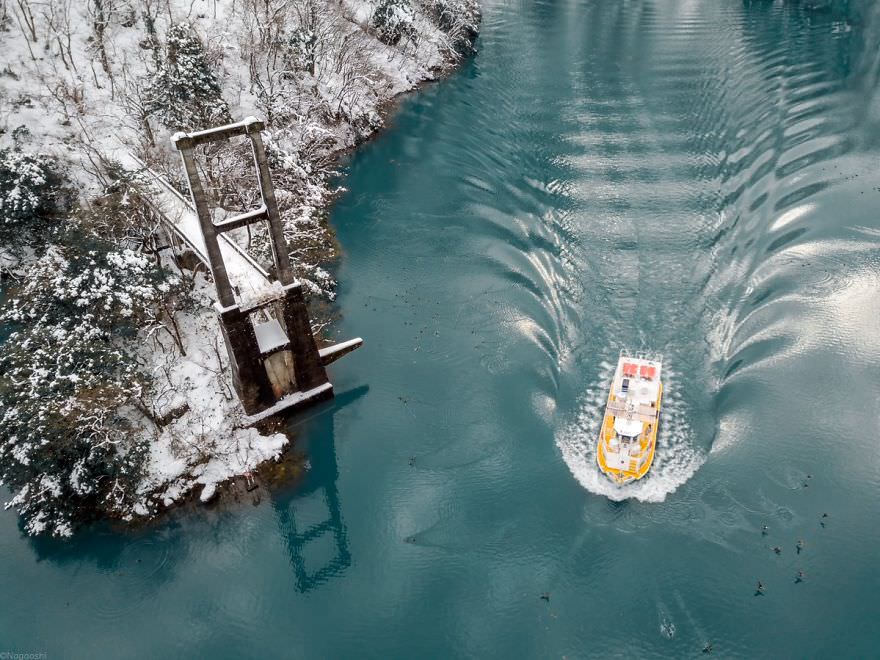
[(647, 372), (629, 369)]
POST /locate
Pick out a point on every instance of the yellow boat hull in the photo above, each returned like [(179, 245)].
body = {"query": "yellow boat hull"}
[(640, 464)]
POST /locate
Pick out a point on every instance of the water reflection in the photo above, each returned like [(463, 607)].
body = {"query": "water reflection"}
[(128, 571), (310, 517)]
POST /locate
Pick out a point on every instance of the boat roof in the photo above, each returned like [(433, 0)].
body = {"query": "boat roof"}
[(641, 366), (636, 389), (628, 426)]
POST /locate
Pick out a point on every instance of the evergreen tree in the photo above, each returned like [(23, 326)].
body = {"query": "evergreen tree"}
[(184, 93), (393, 21), (68, 373), (300, 49), (31, 190)]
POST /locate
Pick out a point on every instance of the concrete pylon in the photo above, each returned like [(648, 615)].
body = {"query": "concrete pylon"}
[(276, 365)]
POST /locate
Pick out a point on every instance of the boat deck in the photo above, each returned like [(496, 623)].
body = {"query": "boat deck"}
[(632, 411)]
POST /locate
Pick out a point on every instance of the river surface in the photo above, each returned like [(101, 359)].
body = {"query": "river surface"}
[(696, 178)]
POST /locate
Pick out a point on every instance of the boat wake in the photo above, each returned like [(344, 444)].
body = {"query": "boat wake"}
[(675, 461)]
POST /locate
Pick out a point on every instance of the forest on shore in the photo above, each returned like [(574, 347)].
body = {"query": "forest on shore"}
[(115, 398)]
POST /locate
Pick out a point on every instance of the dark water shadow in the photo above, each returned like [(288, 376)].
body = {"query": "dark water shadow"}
[(122, 571), (318, 434)]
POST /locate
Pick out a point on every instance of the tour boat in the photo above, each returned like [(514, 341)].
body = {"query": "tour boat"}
[(628, 437)]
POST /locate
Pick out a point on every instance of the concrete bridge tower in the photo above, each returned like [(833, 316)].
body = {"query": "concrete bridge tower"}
[(276, 365)]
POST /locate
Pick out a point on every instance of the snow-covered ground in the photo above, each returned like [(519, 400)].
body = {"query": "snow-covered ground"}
[(209, 441), (75, 84)]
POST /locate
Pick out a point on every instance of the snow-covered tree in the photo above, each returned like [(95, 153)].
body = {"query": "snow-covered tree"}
[(184, 93), (300, 50), (393, 21), (70, 380), (31, 190), (459, 20)]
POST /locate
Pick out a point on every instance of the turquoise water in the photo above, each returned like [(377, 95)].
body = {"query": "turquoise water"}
[(695, 178)]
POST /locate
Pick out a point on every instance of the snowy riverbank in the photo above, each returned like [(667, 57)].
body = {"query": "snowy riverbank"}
[(87, 81)]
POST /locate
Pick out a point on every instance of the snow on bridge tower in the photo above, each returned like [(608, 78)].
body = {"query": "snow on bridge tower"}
[(275, 362)]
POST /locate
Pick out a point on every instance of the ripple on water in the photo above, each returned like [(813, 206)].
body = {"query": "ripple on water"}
[(135, 575)]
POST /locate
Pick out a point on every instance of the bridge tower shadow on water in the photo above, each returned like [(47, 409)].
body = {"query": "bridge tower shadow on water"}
[(309, 518), (275, 363)]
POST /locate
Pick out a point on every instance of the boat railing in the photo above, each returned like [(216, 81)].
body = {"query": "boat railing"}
[(652, 356)]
